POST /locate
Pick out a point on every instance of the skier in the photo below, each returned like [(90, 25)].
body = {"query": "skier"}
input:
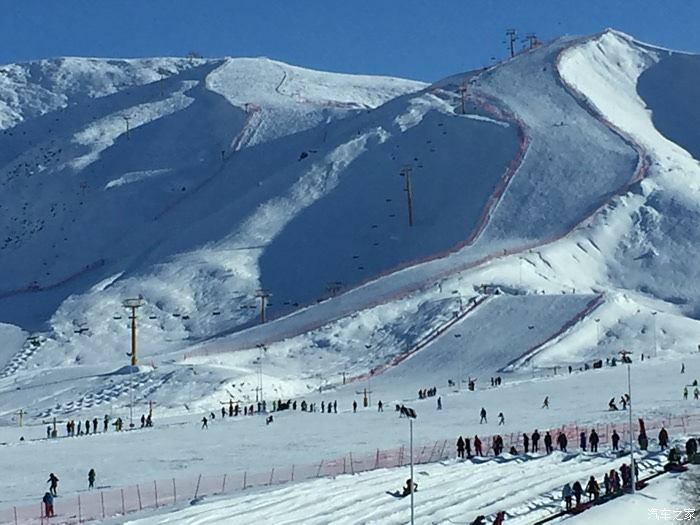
[(91, 478), (578, 491), (582, 439), (335, 407), (682, 368), (548, 442), (615, 440), (663, 438), (562, 441), (380, 407), (460, 447), (696, 394), (526, 443), (48, 432), (439, 403), (592, 488), (106, 423), (535, 441), (593, 439), (501, 419), (623, 401), (545, 404), (685, 392), (354, 406), (477, 446), (483, 416), (87, 427), (48, 505), (143, 419), (566, 494), (205, 423), (53, 480)]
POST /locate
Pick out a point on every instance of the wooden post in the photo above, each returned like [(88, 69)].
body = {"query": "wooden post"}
[(376, 461), (292, 473), (318, 471), (80, 511), (123, 506), (174, 492), (245, 475), (223, 485), (102, 501), (15, 511), (138, 492), (272, 474), (155, 488), (352, 467)]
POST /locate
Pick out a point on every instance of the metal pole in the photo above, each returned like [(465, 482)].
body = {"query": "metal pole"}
[(653, 315), (629, 406), (410, 422), (133, 336)]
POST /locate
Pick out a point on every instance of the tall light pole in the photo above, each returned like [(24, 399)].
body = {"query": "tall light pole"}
[(133, 304), (461, 371), (369, 381), (625, 357), (411, 416), (262, 349)]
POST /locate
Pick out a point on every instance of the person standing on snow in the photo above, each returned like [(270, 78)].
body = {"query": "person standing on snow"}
[(535, 441), (468, 448), (593, 439), (439, 403), (545, 404), (566, 495), (548, 442), (380, 407), (562, 441), (205, 423), (592, 488), (91, 479), (685, 392), (354, 406), (526, 443), (578, 492), (615, 438), (582, 440), (460, 447), (477, 446), (501, 419), (483, 416), (48, 505), (696, 394), (663, 438)]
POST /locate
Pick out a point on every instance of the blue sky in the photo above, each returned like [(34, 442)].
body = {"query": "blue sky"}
[(419, 39)]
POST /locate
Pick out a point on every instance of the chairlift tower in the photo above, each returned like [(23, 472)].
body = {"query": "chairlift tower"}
[(263, 295), (510, 41), (133, 305), (406, 173)]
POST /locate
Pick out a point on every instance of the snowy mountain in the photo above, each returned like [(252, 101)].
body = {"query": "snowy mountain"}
[(194, 183), (554, 200)]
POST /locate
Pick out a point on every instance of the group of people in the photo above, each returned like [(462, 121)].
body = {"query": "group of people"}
[(624, 401), (613, 484), (49, 496), (74, 428), (427, 392), (496, 381)]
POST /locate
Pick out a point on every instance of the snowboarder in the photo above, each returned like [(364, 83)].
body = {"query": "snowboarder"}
[(582, 440), (526, 443), (615, 440), (535, 441), (578, 491), (477, 446), (501, 419), (592, 488), (548, 442), (593, 439), (612, 405), (460, 447), (205, 423), (53, 480), (483, 416), (48, 505), (545, 403), (354, 406), (663, 438), (566, 494), (91, 478)]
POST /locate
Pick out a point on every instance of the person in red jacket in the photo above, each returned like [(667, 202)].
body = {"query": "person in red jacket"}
[(477, 446)]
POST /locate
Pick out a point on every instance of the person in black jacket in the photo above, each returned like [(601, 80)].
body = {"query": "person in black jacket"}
[(593, 439), (460, 447), (548, 442), (526, 443), (535, 441), (562, 441)]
